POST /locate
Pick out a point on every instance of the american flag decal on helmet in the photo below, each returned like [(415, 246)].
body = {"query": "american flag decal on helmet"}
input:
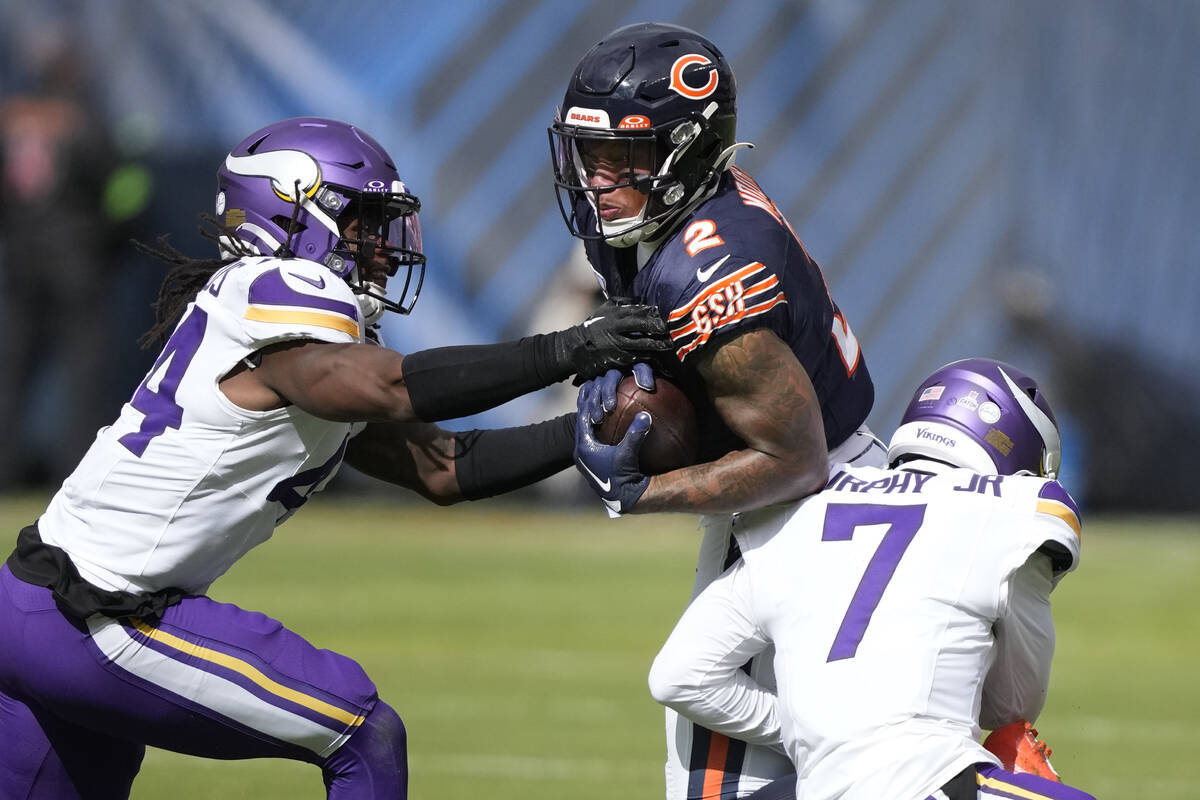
[(747, 292)]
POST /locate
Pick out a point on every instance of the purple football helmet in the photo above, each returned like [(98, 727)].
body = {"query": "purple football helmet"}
[(295, 188), (984, 415), (664, 96)]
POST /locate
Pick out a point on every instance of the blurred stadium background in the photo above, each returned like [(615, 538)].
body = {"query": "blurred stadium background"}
[(1012, 179)]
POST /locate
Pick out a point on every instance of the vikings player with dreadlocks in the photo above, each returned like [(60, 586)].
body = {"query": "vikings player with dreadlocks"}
[(643, 151), (270, 376)]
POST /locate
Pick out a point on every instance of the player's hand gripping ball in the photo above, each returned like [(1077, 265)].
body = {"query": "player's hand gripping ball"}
[(673, 438)]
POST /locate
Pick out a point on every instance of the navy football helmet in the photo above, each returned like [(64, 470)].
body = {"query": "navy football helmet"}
[(296, 188), (983, 415), (665, 98)]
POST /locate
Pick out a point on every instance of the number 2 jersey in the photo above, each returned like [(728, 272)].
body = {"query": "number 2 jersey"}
[(735, 264), (882, 595), (184, 483)]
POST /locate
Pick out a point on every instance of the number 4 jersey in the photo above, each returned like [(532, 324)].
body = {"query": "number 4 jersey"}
[(184, 483)]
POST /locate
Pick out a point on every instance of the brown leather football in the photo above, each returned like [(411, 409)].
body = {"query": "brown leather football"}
[(672, 440)]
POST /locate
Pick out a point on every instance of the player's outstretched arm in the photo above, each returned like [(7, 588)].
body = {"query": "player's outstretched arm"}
[(354, 382), (450, 382), (764, 395), (342, 382), (447, 467)]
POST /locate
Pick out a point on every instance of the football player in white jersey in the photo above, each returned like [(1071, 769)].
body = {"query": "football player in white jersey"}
[(909, 607), (269, 378)]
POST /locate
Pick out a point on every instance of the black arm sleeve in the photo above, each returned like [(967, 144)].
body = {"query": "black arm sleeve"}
[(492, 462), (451, 382)]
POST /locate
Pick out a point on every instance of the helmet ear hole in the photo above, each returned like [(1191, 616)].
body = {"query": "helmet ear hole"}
[(289, 225)]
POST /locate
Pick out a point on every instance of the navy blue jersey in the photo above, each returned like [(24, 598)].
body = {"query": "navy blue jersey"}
[(732, 265)]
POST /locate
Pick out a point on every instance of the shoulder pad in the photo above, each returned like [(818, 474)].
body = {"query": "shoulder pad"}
[(298, 296), (1055, 503), (721, 297)]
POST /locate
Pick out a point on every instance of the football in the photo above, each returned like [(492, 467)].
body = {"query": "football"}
[(672, 440)]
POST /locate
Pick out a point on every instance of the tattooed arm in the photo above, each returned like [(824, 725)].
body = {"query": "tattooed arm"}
[(764, 395)]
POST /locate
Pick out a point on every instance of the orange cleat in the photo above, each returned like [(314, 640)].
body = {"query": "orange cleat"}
[(1020, 751)]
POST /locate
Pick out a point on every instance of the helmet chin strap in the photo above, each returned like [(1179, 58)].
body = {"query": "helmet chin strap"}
[(725, 160), (928, 464), (699, 196), (318, 213), (633, 230), (627, 231), (369, 304), (228, 249)]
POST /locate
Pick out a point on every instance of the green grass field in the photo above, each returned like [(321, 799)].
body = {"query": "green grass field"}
[(515, 645)]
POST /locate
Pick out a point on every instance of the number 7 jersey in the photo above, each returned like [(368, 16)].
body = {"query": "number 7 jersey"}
[(889, 596), (184, 483)]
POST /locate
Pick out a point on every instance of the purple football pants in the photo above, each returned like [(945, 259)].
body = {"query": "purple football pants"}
[(995, 782), (991, 783), (81, 700)]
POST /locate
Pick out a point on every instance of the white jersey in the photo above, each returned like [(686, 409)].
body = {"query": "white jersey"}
[(696, 759), (888, 598), (184, 483)]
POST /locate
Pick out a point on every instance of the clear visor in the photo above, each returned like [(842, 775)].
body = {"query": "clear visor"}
[(388, 228), (588, 163), (381, 239)]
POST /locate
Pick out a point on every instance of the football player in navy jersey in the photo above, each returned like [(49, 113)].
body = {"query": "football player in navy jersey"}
[(643, 149), (269, 377)]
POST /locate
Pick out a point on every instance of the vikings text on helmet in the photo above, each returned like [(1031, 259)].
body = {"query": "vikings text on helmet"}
[(984, 415)]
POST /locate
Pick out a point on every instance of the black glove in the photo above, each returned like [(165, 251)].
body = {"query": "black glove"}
[(616, 335)]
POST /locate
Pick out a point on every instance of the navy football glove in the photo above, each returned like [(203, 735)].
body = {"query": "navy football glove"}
[(611, 470), (601, 396), (643, 376)]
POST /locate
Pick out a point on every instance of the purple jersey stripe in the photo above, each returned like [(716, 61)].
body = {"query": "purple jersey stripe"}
[(1053, 490), (270, 289)]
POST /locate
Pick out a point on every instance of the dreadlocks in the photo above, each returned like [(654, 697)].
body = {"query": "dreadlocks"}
[(186, 277)]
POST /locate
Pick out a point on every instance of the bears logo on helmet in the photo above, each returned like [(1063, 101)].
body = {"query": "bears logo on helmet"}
[(680, 86)]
